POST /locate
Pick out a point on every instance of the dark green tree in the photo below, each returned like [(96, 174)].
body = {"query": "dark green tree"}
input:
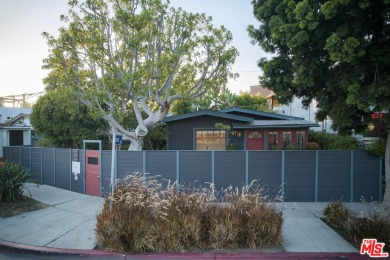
[(64, 121), (337, 52)]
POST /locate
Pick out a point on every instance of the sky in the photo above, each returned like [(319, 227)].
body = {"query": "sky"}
[(22, 47)]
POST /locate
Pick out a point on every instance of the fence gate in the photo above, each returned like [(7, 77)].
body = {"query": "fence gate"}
[(93, 169), (92, 172)]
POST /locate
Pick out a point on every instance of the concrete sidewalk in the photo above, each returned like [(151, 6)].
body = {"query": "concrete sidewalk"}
[(70, 223)]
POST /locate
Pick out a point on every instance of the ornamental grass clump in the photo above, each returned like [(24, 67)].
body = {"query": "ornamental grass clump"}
[(356, 228), (150, 215)]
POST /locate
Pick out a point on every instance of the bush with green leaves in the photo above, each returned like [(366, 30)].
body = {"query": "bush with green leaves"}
[(148, 215), (377, 148), (328, 141), (12, 179)]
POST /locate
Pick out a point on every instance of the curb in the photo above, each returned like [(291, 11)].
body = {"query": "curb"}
[(49, 253)]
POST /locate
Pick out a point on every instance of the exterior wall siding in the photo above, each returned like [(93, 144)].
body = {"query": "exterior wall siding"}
[(297, 175)]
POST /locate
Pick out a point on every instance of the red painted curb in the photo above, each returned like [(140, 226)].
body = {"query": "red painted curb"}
[(14, 248)]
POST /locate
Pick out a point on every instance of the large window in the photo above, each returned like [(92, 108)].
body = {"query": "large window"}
[(210, 139), (286, 139), (272, 140), (301, 139)]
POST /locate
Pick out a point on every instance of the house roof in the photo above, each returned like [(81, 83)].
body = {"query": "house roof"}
[(249, 118), (276, 124), (208, 113), (249, 112), (16, 119)]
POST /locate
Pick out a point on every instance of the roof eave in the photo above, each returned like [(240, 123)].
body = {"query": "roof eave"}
[(273, 126)]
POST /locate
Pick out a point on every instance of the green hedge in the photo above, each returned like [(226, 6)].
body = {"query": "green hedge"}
[(328, 141)]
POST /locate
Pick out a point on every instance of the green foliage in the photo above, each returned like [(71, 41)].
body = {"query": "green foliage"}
[(331, 51), (156, 138), (181, 106), (378, 148), (253, 102), (313, 146), (63, 121), (143, 53), (356, 228), (147, 216), (12, 179), (328, 141)]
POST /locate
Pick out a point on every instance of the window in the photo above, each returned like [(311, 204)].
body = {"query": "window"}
[(301, 139), (272, 140), (255, 134), (286, 139), (93, 160), (210, 139)]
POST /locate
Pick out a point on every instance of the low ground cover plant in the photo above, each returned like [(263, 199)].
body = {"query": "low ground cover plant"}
[(149, 216), (355, 228), (12, 179)]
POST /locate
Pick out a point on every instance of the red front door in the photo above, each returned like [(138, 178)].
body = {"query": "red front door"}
[(92, 172), (255, 140)]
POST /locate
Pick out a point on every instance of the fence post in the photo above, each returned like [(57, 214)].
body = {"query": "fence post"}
[(212, 168), (283, 161), (41, 165), (246, 169), (380, 179), (316, 179), (20, 154), (177, 170), (144, 163), (54, 166), (351, 179), (70, 171), (30, 159)]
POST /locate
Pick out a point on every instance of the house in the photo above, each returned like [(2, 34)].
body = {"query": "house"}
[(294, 108), (15, 127), (246, 130)]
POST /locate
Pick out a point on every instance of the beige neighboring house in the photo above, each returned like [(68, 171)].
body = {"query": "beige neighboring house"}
[(15, 127), (295, 108)]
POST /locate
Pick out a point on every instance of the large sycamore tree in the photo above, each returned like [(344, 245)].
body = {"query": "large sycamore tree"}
[(137, 56), (337, 52)]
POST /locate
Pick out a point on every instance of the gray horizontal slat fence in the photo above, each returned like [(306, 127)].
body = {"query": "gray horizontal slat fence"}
[(366, 177), (62, 168), (106, 172), (195, 168), (299, 175), (266, 168), (162, 163), (79, 184), (16, 154), (48, 164), (128, 163), (305, 175), (334, 165), (36, 164), (228, 169), (26, 158)]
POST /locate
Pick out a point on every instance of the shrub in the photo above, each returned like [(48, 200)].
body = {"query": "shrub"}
[(313, 146), (329, 141), (148, 216), (377, 148), (354, 228), (12, 179)]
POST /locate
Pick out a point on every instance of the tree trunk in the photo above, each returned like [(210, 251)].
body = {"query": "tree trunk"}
[(386, 198), (137, 144)]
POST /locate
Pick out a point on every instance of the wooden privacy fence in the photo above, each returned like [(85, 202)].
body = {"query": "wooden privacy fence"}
[(298, 175)]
